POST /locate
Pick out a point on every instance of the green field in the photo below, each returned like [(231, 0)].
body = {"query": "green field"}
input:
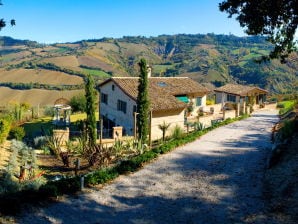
[(96, 72)]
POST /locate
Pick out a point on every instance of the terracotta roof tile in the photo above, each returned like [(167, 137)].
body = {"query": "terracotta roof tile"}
[(240, 90), (162, 91)]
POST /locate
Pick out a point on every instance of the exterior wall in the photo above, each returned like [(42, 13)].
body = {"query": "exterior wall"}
[(206, 120), (217, 107), (220, 97), (229, 114), (196, 107), (126, 120), (174, 118)]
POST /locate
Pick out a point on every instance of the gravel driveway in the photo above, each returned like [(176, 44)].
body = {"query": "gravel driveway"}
[(216, 179)]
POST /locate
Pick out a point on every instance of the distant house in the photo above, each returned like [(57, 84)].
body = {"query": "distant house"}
[(240, 94), (170, 98)]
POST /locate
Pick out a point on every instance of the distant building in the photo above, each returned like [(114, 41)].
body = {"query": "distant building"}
[(170, 99), (240, 94)]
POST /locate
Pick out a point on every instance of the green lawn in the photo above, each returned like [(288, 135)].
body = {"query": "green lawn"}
[(286, 106), (96, 72), (36, 127)]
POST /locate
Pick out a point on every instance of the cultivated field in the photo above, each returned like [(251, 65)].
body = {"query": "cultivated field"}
[(38, 76), (34, 96)]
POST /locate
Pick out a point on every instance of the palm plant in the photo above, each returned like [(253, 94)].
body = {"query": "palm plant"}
[(164, 127)]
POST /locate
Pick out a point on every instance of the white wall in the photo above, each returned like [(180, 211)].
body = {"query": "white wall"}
[(194, 113), (173, 118), (110, 110)]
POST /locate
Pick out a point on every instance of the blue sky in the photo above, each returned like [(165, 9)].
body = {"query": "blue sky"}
[(51, 21)]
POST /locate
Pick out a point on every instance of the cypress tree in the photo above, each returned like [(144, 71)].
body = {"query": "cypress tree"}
[(90, 110), (143, 102)]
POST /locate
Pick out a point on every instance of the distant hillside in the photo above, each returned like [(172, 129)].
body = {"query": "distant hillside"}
[(209, 58)]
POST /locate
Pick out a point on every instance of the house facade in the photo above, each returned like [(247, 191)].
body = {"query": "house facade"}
[(171, 99), (240, 95)]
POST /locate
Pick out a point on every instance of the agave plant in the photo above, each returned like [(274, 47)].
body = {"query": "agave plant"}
[(199, 126)]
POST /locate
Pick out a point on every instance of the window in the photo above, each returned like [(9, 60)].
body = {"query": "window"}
[(231, 98), (121, 106), (113, 87), (104, 98), (199, 101)]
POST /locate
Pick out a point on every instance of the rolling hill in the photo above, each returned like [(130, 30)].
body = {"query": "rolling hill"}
[(27, 67)]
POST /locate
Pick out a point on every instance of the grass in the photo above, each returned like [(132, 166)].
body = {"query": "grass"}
[(35, 127), (95, 72), (286, 106), (162, 68)]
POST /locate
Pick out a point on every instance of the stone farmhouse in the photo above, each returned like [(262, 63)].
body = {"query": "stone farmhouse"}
[(172, 99)]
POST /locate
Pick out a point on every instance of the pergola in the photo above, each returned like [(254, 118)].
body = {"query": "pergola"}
[(62, 112)]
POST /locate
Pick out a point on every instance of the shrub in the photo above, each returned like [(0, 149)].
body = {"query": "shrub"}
[(39, 142), (78, 103), (177, 132), (4, 129), (48, 111), (288, 129), (285, 106), (48, 190), (17, 133), (101, 176)]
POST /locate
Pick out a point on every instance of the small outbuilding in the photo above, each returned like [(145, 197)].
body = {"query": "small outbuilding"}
[(240, 94)]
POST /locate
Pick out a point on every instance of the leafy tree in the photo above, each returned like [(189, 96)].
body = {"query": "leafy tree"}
[(90, 110), (78, 103), (3, 22), (276, 20), (143, 102)]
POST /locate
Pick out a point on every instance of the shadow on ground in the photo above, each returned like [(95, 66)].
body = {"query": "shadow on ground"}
[(223, 186)]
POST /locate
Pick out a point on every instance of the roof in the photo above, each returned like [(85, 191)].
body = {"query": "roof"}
[(241, 90), (61, 101), (162, 91)]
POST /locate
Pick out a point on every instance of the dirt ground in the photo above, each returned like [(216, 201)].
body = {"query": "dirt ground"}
[(54, 166), (4, 155)]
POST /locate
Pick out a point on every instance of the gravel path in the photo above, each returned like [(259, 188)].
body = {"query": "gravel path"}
[(216, 179)]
